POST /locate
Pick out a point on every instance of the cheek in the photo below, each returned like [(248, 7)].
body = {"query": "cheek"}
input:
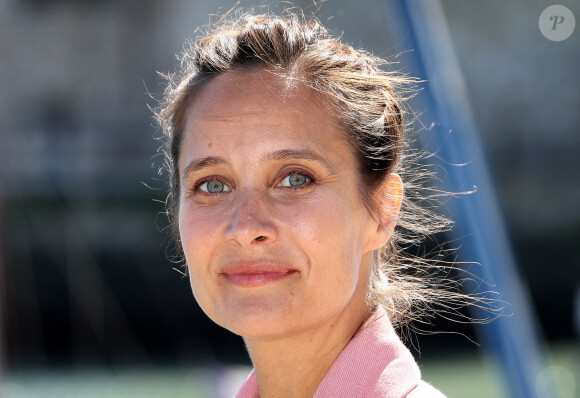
[(331, 236), (328, 227), (314, 221), (198, 231), (198, 234)]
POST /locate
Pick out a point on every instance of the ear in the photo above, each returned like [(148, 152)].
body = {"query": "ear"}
[(388, 199)]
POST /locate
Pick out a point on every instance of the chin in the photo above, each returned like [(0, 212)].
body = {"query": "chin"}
[(256, 318)]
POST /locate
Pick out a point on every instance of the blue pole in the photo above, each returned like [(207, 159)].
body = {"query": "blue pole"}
[(513, 340)]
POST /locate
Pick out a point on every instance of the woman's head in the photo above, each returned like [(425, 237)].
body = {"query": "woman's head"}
[(348, 82), (298, 60), (275, 233)]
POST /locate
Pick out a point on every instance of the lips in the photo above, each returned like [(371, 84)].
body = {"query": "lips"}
[(253, 274)]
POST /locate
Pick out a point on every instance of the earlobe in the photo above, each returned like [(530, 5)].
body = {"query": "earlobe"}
[(389, 200)]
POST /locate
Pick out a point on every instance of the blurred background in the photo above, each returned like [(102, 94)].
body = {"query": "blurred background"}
[(89, 304)]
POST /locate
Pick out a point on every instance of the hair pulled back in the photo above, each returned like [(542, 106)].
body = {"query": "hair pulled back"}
[(368, 103)]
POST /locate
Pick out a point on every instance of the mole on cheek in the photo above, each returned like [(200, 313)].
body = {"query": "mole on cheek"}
[(209, 145)]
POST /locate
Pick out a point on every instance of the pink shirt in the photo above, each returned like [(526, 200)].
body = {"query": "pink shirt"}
[(374, 364)]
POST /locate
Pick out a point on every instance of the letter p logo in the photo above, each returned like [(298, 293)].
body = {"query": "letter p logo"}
[(557, 23), (558, 19)]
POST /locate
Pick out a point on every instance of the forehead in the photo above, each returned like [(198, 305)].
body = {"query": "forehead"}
[(246, 89), (258, 105)]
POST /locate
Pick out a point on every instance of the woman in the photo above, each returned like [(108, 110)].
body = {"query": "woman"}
[(284, 148)]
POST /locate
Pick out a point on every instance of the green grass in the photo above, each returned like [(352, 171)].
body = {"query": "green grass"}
[(462, 376), (458, 376), (475, 377), (142, 383)]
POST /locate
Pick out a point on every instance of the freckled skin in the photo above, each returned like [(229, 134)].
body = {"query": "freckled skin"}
[(321, 231)]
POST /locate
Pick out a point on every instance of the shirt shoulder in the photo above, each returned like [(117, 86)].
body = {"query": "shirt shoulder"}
[(375, 364)]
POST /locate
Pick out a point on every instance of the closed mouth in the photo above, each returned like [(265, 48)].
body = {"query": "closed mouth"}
[(253, 274)]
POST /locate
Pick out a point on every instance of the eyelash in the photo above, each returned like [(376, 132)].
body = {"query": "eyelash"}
[(302, 172), (207, 179), (198, 184)]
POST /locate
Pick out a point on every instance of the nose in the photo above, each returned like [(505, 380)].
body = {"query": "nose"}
[(251, 222)]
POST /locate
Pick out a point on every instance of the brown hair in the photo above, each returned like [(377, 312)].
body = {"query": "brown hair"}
[(368, 101)]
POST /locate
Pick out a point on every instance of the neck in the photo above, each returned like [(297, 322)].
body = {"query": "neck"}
[(294, 366)]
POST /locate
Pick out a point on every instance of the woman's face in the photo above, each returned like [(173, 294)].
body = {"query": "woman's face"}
[(275, 235)]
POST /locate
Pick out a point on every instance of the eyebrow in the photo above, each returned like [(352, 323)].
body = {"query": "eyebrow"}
[(283, 154), (202, 164), (298, 154)]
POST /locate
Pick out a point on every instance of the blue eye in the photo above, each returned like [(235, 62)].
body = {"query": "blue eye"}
[(295, 180), (214, 186)]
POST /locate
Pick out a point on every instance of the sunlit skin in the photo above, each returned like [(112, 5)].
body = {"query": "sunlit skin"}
[(278, 243)]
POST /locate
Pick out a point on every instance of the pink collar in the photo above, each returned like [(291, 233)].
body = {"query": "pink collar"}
[(375, 363)]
